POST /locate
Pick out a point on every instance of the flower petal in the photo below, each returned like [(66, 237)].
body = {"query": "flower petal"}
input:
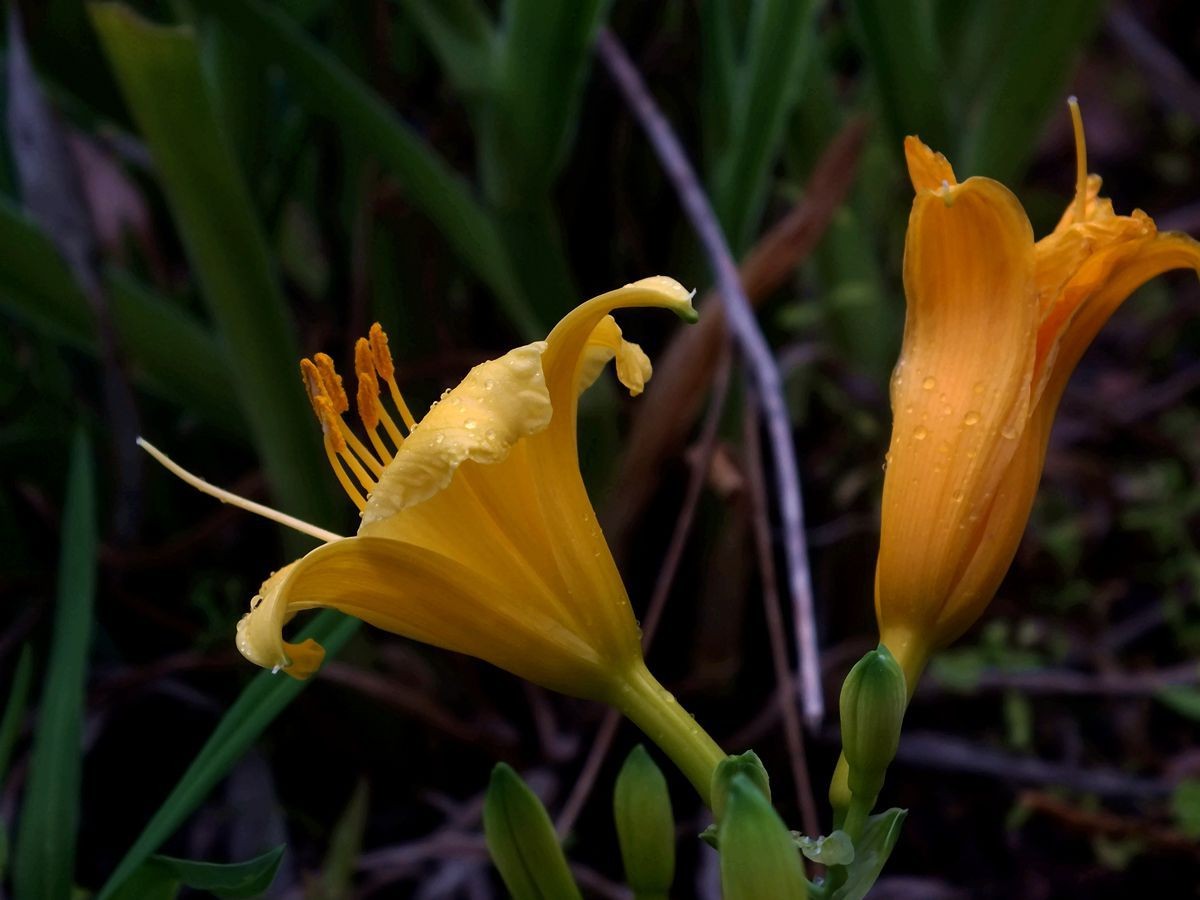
[(412, 592), (927, 170), (605, 343), (960, 392), (497, 404)]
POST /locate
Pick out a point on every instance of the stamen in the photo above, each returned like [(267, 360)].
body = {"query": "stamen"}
[(233, 499), (387, 371), (360, 448), (1080, 161), (370, 410), (332, 383), (343, 478)]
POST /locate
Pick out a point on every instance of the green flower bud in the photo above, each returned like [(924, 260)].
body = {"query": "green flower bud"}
[(759, 859), (874, 697), (747, 764), (645, 825), (522, 841)]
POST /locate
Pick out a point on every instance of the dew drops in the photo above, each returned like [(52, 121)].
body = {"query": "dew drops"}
[(439, 438), (929, 383), (470, 424), (920, 433), (971, 418), (445, 393), (957, 496), (491, 434), (490, 384), (1008, 433)]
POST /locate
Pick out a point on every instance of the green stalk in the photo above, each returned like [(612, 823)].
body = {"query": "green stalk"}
[(654, 710)]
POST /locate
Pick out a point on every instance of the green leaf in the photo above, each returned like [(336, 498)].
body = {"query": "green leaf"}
[(1025, 85), (460, 36), (1185, 807), (645, 825), (1181, 699), (871, 852), (260, 702), (431, 185), (522, 842), (758, 857), (836, 849), (160, 74), (778, 42), (910, 77), (160, 877), (44, 862), (341, 860), (230, 881), (169, 352), (14, 709)]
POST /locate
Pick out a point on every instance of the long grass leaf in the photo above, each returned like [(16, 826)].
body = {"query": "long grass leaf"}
[(14, 709), (778, 41), (431, 185), (461, 37), (262, 700), (1025, 85), (44, 860), (160, 74), (169, 353)]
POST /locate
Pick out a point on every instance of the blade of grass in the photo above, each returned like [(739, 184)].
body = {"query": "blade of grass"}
[(717, 76), (167, 350), (14, 709), (260, 702), (461, 37), (901, 46), (44, 861), (1027, 82), (778, 40), (160, 74), (429, 183)]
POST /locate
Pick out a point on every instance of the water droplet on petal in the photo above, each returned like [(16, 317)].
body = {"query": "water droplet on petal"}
[(957, 496), (1009, 433), (971, 418), (929, 383), (470, 424), (489, 384), (439, 438), (920, 433)]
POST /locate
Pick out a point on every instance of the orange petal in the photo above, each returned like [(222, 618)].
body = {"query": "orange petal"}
[(960, 391), (929, 171)]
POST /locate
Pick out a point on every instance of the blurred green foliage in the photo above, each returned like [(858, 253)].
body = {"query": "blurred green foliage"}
[(267, 178)]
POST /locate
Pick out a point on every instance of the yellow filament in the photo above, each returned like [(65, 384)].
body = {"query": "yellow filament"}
[(355, 466), (233, 499), (360, 448), (398, 399), (347, 485), (380, 446), (1080, 161), (392, 428)]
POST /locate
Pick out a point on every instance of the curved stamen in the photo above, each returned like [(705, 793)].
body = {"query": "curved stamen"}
[(387, 371)]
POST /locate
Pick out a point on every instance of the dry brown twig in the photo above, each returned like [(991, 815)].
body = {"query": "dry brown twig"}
[(760, 362)]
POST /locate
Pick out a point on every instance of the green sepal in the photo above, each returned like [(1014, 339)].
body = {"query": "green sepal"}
[(871, 852), (758, 857), (728, 769), (522, 842), (645, 825), (834, 849)]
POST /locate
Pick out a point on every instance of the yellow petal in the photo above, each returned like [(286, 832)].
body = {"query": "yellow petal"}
[(960, 392), (430, 598), (605, 343), (260, 633), (927, 170), (497, 404)]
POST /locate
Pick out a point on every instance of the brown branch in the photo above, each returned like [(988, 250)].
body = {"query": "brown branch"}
[(785, 685), (663, 418), (1098, 822), (754, 347)]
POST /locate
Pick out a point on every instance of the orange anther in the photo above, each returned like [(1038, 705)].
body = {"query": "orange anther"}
[(368, 385), (332, 382), (383, 356), (313, 384), (329, 423)]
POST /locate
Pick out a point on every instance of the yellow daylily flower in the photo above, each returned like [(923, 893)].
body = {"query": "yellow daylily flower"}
[(477, 534), (996, 323)]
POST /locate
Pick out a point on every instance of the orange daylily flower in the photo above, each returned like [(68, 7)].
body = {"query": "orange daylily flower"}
[(996, 322)]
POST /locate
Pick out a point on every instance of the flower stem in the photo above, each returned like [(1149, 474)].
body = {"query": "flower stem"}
[(654, 710)]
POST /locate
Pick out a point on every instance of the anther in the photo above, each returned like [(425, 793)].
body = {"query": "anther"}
[(332, 382), (387, 371)]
